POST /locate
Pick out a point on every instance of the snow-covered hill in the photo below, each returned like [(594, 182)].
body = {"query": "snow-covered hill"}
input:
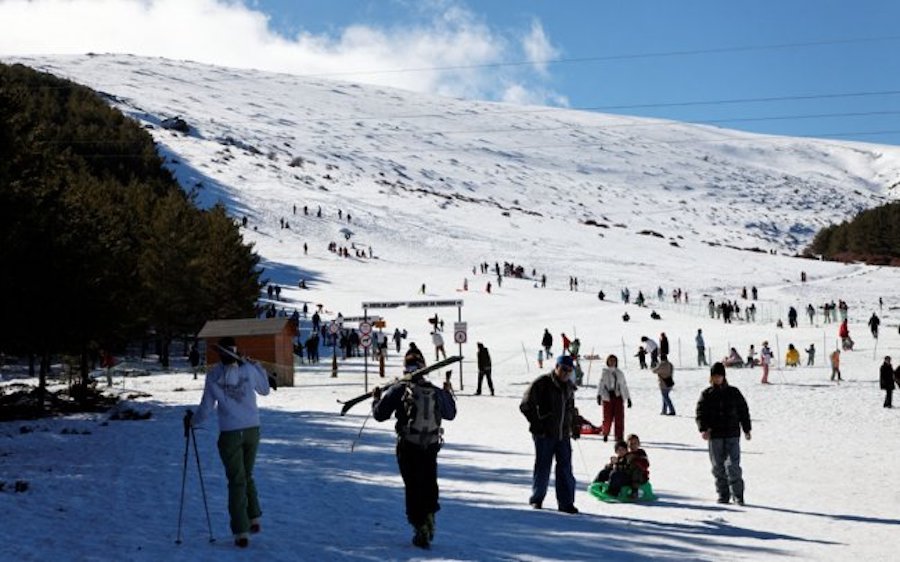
[(434, 187), (262, 141)]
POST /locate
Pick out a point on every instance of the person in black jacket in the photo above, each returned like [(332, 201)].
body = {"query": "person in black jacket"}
[(484, 368), (547, 342), (549, 406), (887, 381), (413, 402), (722, 413)]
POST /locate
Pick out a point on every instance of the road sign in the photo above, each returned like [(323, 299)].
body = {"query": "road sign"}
[(365, 340), (365, 328), (459, 332), (333, 327)]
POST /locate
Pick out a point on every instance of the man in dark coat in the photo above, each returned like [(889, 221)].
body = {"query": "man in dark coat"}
[(484, 368), (663, 347), (721, 415), (549, 406), (887, 381)]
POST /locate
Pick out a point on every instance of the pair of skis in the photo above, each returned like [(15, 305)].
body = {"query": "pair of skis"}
[(347, 404)]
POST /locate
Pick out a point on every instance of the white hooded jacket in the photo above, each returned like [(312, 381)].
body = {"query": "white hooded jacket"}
[(612, 381), (231, 390)]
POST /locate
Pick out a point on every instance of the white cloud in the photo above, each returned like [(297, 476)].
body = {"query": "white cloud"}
[(523, 95), (451, 50), (538, 48)]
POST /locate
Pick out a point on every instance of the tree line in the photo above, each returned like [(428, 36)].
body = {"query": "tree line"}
[(872, 236), (99, 245)]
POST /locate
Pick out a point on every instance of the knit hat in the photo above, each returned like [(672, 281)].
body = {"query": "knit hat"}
[(717, 369), (565, 361), (412, 362)]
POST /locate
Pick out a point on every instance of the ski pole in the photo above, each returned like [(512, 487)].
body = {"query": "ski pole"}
[(202, 487), (187, 439), (361, 428), (581, 454)]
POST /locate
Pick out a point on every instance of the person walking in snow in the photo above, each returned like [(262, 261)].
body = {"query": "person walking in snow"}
[(664, 372), (484, 368), (418, 441), (765, 359), (642, 357), (547, 342), (653, 349), (230, 390), (722, 414), (835, 358), (701, 348), (874, 322), (566, 342), (810, 355), (663, 346), (612, 396), (194, 359), (438, 340), (549, 407), (886, 380)]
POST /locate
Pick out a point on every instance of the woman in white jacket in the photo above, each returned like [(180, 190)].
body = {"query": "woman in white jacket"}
[(230, 390), (612, 395)]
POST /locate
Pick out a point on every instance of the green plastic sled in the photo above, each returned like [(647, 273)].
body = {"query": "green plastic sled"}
[(645, 493)]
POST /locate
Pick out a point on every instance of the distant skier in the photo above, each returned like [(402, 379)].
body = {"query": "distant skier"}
[(874, 322)]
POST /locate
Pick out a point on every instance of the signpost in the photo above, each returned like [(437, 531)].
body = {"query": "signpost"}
[(457, 333)]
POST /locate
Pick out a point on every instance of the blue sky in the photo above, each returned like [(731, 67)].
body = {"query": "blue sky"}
[(613, 55), (594, 29)]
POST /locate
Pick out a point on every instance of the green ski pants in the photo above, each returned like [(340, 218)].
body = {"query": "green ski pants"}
[(237, 450)]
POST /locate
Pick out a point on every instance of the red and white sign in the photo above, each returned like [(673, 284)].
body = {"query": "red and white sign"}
[(365, 340), (459, 332), (365, 328)]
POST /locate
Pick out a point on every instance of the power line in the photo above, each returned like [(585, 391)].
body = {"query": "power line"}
[(605, 58), (531, 110)]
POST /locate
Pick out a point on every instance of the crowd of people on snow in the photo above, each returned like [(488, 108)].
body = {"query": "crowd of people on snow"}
[(722, 413)]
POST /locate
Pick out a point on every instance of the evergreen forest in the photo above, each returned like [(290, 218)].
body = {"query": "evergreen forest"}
[(872, 236), (99, 245)]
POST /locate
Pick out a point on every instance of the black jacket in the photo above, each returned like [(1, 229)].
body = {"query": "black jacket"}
[(723, 411), (887, 377), (549, 406), (484, 359)]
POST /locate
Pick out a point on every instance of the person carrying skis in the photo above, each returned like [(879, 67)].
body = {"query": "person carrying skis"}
[(230, 389), (549, 407), (419, 407)]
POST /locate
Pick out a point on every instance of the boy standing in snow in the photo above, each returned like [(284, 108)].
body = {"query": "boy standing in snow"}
[(230, 389), (415, 402), (721, 415)]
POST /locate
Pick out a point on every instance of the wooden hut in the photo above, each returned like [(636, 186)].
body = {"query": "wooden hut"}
[(267, 340)]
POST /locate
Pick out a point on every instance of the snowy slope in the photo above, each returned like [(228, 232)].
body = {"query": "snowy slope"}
[(428, 181)]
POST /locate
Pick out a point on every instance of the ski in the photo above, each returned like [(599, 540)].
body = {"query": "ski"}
[(347, 404)]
